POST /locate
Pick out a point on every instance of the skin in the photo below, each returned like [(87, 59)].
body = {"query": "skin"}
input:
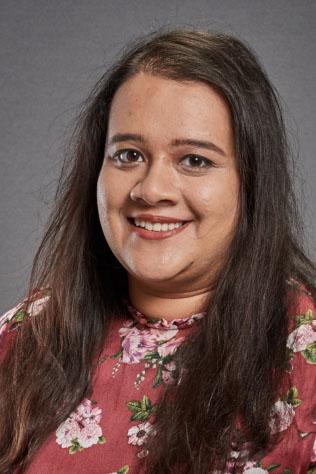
[(171, 277)]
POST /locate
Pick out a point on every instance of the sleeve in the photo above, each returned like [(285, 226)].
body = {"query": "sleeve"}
[(5, 335), (11, 320), (302, 357)]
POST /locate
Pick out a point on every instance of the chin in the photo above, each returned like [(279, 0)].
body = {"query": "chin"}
[(156, 276), (165, 278)]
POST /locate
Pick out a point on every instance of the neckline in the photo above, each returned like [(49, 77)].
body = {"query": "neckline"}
[(162, 323)]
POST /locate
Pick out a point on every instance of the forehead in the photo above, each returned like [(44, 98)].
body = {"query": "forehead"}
[(157, 105)]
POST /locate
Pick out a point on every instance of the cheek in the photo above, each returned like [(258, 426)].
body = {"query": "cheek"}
[(107, 196), (111, 197), (218, 201), (105, 202), (101, 198)]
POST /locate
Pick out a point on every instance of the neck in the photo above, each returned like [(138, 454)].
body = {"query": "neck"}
[(158, 305)]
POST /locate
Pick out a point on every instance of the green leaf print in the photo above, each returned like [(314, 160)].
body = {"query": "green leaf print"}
[(304, 318), (123, 469), (20, 316), (139, 416), (102, 440), (296, 402), (75, 446), (272, 467), (292, 397), (134, 405), (158, 378), (141, 409), (118, 354), (152, 355), (290, 353), (312, 470), (309, 353), (145, 403)]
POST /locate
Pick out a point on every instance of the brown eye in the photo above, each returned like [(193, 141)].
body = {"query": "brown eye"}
[(128, 156), (196, 161)]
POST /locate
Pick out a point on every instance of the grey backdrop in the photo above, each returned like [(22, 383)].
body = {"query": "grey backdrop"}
[(53, 51)]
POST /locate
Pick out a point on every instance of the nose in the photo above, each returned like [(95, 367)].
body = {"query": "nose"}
[(158, 185)]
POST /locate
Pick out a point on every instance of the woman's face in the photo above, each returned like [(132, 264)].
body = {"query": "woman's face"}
[(169, 159)]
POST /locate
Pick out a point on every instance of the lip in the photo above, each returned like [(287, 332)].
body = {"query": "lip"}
[(157, 235), (158, 219)]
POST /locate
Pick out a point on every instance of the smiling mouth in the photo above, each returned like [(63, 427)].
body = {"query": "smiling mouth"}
[(155, 226)]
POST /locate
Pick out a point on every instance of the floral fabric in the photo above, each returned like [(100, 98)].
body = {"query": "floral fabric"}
[(107, 432)]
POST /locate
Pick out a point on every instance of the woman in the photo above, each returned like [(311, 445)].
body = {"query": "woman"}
[(176, 333)]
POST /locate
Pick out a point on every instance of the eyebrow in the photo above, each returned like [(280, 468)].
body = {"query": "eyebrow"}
[(134, 137)]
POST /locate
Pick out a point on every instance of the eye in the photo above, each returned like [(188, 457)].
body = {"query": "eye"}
[(127, 156), (196, 162)]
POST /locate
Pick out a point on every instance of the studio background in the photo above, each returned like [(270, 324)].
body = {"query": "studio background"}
[(51, 54)]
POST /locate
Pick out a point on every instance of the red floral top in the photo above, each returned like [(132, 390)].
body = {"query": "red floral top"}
[(107, 431)]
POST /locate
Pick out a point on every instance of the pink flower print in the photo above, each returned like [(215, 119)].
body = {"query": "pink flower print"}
[(37, 305), (86, 414), (3, 328), (157, 334), (139, 434), (163, 336), (33, 309), (128, 323), (299, 339), (127, 329), (282, 416), (66, 432), (168, 373), (81, 429), (250, 469), (89, 435), (137, 343), (169, 347), (9, 314)]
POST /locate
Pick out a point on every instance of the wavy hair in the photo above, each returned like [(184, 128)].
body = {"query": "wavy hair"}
[(237, 357)]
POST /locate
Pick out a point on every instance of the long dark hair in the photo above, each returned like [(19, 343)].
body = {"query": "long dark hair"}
[(237, 358)]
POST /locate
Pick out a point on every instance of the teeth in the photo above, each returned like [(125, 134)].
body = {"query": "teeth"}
[(157, 226)]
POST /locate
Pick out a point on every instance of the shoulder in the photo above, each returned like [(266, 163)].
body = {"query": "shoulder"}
[(30, 306), (301, 345), (302, 320)]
